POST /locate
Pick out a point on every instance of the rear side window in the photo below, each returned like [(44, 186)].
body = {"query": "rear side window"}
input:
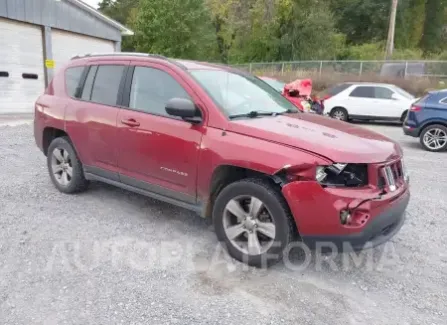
[(72, 80), (107, 84), (88, 85), (363, 92)]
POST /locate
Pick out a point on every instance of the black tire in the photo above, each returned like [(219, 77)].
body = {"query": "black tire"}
[(341, 112), (279, 212), (432, 128), (404, 116), (77, 182)]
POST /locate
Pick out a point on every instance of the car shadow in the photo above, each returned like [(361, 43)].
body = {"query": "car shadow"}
[(384, 123), (412, 144), (155, 208)]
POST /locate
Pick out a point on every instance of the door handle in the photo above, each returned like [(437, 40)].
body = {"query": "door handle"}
[(130, 122)]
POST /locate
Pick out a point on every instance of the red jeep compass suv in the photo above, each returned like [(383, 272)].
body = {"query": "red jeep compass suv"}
[(225, 144)]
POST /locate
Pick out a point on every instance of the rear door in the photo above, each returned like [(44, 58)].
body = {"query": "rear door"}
[(92, 117), (158, 152), (361, 102)]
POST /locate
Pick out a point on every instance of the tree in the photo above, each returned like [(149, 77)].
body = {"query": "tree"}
[(362, 21), (175, 28), (121, 11), (410, 23), (431, 41), (306, 31)]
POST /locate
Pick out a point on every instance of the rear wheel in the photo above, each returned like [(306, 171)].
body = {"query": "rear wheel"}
[(252, 218), (434, 138), (339, 113), (65, 169)]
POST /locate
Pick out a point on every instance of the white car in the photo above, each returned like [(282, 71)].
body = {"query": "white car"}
[(367, 101)]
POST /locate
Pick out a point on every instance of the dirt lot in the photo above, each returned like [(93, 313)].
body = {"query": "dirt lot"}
[(108, 256)]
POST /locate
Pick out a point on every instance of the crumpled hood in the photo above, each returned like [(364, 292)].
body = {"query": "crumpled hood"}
[(339, 141)]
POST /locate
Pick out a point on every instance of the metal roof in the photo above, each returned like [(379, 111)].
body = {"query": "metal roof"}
[(82, 5)]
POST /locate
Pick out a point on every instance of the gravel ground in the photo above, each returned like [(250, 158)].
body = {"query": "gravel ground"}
[(108, 256)]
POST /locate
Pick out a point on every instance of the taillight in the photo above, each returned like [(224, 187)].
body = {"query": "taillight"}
[(415, 108)]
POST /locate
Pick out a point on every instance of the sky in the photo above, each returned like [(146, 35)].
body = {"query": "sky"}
[(93, 3)]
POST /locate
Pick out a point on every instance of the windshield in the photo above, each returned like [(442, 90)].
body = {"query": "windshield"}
[(404, 93), (239, 93), (278, 85)]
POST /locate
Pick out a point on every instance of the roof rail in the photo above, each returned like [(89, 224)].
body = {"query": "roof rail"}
[(86, 55)]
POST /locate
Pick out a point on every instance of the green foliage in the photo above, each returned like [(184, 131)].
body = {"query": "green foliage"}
[(121, 11), (175, 28), (236, 31), (431, 41), (306, 31), (362, 20), (410, 24), (408, 54), (367, 51)]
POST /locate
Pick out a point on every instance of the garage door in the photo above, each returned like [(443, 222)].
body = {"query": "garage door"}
[(66, 45), (22, 77)]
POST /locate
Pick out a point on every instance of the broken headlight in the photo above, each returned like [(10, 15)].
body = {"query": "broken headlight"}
[(342, 175)]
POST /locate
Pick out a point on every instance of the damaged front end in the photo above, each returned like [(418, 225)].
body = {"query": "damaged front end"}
[(343, 201), (334, 175)]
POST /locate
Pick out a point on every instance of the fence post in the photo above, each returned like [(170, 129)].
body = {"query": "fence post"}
[(250, 68), (361, 69), (321, 67), (282, 69), (406, 70)]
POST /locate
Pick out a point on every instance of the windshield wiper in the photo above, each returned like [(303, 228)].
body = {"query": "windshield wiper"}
[(253, 114)]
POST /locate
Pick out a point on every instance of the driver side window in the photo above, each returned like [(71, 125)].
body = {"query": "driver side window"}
[(383, 93), (151, 90)]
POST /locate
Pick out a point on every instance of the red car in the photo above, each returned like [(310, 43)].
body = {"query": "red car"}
[(299, 93), (223, 143)]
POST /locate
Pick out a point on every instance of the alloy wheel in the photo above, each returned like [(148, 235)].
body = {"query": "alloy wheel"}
[(61, 166), (339, 115), (249, 225), (435, 139)]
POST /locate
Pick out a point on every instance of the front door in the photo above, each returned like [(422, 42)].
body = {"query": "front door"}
[(388, 103), (158, 152)]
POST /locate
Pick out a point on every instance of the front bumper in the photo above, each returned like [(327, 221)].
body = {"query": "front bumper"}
[(317, 216), (381, 229)]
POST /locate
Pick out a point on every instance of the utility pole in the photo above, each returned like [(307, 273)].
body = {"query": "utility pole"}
[(391, 30)]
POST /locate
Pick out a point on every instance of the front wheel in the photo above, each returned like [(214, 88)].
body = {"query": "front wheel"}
[(253, 219), (434, 138)]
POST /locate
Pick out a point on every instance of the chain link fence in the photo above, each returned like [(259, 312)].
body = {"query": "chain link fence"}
[(393, 69)]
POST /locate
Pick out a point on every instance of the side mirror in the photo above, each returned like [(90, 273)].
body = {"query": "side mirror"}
[(183, 108)]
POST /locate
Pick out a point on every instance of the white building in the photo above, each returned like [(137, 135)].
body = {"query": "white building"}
[(38, 36)]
